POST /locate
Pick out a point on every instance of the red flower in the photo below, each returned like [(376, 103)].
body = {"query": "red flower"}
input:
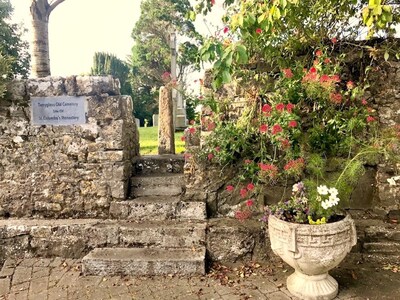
[(217, 149), (230, 188), (336, 98), (211, 126), (285, 143), (370, 119), (276, 129), (250, 186), (327, 60), (192, 122), (192, 130), (295, 165), (270, 169), (334, 40), (289, 107), (183, 138), (166, 75), (243, 193), (318, 53), (266, 108), (263, 128), (364, 102), (335, 78), (248, 161), (350, 85), (226, 29), (280, 107), (258, 30), (187, 155), (288, 73), (324, 78), (249, 202), (313, 70), (212, 2), (292, 124), (242, 215)]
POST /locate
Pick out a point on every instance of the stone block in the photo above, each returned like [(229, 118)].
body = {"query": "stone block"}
[(229, 240), (97, 85), (46, 87), (165, 234), (142, 261), (192, 211), (17, 90), (165, 185)]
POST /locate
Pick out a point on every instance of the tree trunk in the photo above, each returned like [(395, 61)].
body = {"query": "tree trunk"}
[(40, 12)]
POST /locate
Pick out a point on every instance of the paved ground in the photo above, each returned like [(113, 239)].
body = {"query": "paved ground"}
[(48, 279)]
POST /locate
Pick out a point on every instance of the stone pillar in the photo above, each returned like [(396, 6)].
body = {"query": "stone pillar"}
[(166, 142)]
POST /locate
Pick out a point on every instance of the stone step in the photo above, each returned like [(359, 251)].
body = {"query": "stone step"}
[(157, 164), (157, 208), (74, 238), (144, 261), (158, 185), (390, 248)]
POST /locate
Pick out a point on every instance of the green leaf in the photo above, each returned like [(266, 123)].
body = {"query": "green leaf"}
[(386, 56), (192, 15), (226, 76), (228, 59), (242, 54), (365, 14), (277, 13), (261, 17), (377, 10)]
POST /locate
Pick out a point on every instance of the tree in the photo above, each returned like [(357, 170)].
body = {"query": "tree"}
[(13, 50), (109, 64), (40, 11), (279, 32), (151, 54)]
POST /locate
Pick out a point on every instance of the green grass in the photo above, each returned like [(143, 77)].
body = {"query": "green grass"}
[(148, 138)]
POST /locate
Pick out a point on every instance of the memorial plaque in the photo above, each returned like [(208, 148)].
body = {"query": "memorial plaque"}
[(61, 110)]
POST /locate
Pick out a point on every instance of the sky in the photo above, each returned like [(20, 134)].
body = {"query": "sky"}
[(79, 28)]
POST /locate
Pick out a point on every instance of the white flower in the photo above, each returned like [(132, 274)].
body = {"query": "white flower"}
[(295, 188), (325, 204), (333, 191), (334, 200), (322, 190)]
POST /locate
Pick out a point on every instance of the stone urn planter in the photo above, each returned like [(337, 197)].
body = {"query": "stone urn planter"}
[(312, 250)]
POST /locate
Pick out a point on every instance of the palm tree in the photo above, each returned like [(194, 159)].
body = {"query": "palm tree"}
[(40, 11)]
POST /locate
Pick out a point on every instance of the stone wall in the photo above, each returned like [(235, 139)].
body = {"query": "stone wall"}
[(70, 170)]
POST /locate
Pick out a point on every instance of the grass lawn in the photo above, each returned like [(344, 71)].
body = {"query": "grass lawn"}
[(148, 138)]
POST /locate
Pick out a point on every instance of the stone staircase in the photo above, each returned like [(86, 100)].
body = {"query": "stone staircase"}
[(159, 233), (153, 232)]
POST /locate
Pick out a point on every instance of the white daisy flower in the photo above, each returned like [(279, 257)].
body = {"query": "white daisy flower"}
[(322, 190)]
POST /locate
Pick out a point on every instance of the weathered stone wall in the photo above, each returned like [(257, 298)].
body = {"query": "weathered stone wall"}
[(374, 197), (65, 171)]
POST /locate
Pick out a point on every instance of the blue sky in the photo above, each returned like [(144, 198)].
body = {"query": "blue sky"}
[(79, 28)]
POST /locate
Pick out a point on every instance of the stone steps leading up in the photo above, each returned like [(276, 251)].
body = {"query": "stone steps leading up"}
[(167, 184), (74, 238), (139, 261), (157, 208)]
